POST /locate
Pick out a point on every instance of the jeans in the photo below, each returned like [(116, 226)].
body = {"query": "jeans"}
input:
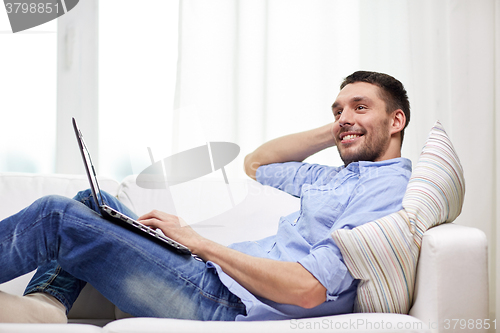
[(70, 243)]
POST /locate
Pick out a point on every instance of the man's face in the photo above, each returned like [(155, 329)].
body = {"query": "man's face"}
[(362, 125)]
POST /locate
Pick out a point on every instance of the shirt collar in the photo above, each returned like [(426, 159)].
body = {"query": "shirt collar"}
[(400, 162)]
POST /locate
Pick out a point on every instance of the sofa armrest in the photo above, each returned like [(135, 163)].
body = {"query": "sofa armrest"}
[(452, 277)]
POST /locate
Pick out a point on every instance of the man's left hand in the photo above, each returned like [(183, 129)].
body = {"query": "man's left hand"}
[(172, 226)]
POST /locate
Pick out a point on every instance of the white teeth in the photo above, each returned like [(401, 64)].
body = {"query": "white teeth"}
[(350, 137)]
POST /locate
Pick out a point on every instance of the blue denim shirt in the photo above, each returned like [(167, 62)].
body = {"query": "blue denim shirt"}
[(331, 198)]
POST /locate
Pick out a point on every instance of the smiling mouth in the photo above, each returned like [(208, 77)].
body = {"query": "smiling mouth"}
[(350, 138)]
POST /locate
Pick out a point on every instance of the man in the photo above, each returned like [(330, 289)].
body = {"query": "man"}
[(299, 272)]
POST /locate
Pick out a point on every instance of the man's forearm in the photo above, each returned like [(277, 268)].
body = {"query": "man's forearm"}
[(282, 282), (293, 147)]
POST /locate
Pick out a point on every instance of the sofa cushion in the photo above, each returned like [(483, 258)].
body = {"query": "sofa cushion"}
[(205, 205), (383, 254), (49, 328), (366, 322), (18, 190)]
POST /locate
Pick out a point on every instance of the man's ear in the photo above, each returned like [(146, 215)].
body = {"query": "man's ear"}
[(398, 121)]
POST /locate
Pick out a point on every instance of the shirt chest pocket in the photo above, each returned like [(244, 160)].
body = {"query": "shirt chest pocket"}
[(323, 204)]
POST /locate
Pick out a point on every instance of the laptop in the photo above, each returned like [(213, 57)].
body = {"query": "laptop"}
[(115, 216)]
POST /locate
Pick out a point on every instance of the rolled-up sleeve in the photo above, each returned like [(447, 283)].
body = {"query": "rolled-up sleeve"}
[(371, 199), (325, 264), (289, 177)]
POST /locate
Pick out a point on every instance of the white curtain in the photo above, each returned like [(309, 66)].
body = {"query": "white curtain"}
[(253, 70), (249, 71)]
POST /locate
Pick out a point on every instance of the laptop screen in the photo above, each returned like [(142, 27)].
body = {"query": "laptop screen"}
[(89, 167)]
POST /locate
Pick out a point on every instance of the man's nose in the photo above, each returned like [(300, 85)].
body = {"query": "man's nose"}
[(346, 118)]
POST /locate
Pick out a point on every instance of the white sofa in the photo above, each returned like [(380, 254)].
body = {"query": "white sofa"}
[(451, 286)]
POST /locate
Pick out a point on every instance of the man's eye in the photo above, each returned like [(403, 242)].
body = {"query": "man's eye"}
[(361, 107), (337, 113)]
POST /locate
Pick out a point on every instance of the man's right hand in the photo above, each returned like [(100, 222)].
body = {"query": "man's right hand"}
[(294, 147)]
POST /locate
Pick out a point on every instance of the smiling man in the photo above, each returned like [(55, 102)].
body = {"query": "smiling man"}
[(299, 272), (362, 133)]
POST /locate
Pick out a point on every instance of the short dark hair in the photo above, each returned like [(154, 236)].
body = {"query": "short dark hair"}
[(393, 91)]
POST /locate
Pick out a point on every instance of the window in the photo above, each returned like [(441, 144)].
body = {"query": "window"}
[(137, 75), (28, 63)]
